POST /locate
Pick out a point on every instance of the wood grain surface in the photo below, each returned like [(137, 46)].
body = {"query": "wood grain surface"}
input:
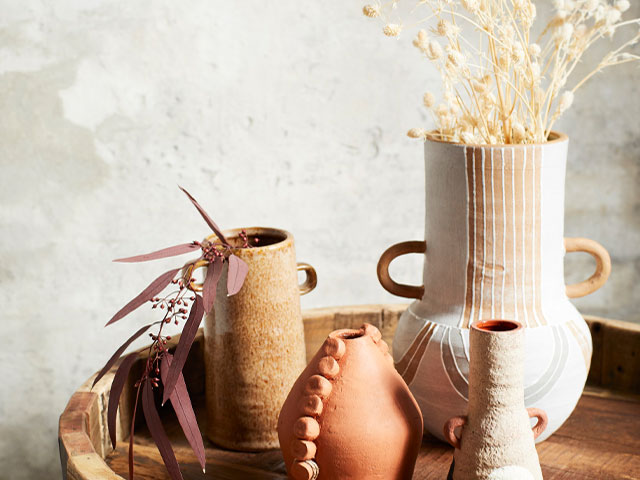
[(601, 439)]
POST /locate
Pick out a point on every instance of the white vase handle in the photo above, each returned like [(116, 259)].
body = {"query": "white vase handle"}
[(603, 266)]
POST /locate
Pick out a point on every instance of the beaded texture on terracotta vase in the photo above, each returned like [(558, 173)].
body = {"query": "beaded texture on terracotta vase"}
[(317, 389)]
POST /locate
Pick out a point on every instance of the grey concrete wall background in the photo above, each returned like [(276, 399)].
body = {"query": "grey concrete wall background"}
[(288, 114)]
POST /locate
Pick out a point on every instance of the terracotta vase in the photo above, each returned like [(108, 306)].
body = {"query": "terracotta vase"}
[(350, 415), (494, 248), (496, 435), (254, 342)]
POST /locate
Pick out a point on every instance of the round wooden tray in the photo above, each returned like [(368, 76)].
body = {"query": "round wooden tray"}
[(601, 439)]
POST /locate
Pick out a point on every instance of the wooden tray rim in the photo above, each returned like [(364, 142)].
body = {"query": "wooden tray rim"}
[(82, 433)]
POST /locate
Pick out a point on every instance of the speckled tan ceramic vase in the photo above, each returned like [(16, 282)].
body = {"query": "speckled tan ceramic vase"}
[(496, 437), (254, 342), (350, 415)]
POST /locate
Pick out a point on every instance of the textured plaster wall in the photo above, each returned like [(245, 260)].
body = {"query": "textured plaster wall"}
[(279, 113)]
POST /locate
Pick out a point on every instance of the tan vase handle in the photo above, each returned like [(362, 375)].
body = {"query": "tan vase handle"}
[(450, 427), (543, 420), (187, 274), (603, 266), (403, 248), (312, 278)]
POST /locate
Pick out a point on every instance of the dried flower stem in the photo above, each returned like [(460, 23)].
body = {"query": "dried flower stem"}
[(528, 87)]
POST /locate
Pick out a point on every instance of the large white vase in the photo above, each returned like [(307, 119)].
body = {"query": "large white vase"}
[(494, 250)]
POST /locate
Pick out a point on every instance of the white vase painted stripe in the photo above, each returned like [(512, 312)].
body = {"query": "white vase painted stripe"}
[(471, 206), (504, 270), (534, 393), (403, 363), (408, 365), (455, 358), (503, 216), (456, 362), (493, 234), (538, 259), (586, 347)]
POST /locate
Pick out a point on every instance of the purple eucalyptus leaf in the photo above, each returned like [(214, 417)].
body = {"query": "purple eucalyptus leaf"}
[(116, 390), (214, 271), (147, 294), (206, 217), (184, 345), (184, 410), (238, 270), (164, 253), (157, 432), (114, 358)]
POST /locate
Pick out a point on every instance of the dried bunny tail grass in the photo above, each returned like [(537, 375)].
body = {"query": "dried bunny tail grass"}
[(564, 102), (392, 30), (434, 51), (469, 138), (535, 50), (421, 41), (622, 5), (518, 133), (502, 83), (371, 11), (447, 29), (613, 16), (417, 133), (428, 99), (471, 5), (455, 58)]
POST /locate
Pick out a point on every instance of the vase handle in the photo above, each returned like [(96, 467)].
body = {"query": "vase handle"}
[(399, 289), (312, 278), (603, 266), (187, 274), (543, 420), (450, 427)]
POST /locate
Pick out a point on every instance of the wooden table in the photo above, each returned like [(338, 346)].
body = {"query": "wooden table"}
[(601, 439)]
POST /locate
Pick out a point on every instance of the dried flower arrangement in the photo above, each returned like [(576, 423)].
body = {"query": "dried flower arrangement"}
[(163, 368), (502, 84)]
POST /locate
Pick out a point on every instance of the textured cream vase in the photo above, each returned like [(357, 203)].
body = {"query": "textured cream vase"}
[(254, 343), (496, 434), (494, 249)]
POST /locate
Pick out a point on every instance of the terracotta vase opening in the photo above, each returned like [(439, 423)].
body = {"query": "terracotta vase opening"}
[(497, 326), (349, 334)]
